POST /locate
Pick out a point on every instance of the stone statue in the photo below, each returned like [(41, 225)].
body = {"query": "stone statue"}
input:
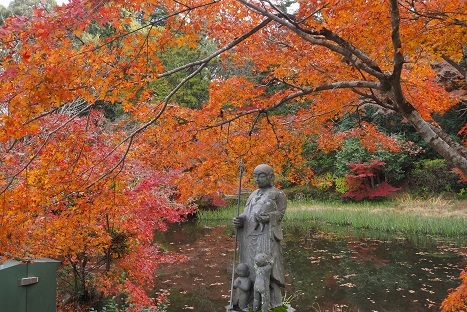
[(242, 284), (260, 231), (261, 295)]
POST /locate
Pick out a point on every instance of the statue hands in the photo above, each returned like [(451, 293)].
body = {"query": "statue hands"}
[(262, 217), (238, 222)]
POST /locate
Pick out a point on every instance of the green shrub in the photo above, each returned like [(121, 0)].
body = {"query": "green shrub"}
[(433, 176), (462, 193), (353, 152), (341, 185)]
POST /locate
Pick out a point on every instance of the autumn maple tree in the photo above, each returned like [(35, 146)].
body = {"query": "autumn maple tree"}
[(457, 298), (364, 181), (103, 232), (79, 186)]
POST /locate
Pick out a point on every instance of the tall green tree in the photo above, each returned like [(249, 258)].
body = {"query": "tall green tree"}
[(25, 7), (4, 14)]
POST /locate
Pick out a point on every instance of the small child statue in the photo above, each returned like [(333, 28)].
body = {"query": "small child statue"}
[(261, 295), (266, 208), (242, 284)]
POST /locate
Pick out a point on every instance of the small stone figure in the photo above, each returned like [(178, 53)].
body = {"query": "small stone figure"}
[(269, 206), (242, 284), (261, 295)]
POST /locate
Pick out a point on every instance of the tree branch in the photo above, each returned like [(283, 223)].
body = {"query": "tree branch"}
[(41, 147), (220, 51), (395, 80), (326, 39), (454, 64), (201, 64), (302, 92)]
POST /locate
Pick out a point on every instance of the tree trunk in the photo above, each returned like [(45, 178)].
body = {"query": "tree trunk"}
[(437, 139)]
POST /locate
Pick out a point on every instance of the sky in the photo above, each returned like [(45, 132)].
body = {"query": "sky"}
[(6, 2)]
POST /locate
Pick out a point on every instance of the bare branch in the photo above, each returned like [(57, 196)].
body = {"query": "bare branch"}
[(314, 13), (454, 64), (326, 39), (302, 92), (442, 16), (53, 110), (220, 51), (253, 124), (375, 99), (110, 41), (41, 147)]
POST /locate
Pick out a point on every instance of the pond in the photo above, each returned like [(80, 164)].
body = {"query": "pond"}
[(328, 268)]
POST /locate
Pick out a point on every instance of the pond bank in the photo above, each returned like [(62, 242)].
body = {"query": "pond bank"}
[(435, 216)]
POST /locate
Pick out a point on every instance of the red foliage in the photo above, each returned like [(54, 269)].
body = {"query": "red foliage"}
[(211, 201), (78, 211), (365, 252), (362, 182)]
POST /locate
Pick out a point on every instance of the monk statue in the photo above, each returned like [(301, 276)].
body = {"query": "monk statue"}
[(259, 231)]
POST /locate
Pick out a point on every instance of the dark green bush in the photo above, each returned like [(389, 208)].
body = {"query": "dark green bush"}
[(353, 152), (433, 176)]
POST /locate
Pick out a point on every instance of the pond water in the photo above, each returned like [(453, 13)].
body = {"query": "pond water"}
[(328, 269)]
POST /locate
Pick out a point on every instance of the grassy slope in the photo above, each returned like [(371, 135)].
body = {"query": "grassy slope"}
[(435, 216)]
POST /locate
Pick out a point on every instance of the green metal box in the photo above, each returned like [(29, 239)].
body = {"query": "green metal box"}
[(28, 286)]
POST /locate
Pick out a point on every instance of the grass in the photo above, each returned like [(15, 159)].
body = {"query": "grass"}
[(435, 216)]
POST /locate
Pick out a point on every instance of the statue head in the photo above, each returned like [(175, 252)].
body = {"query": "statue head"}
[(242, 270), (263, 176), (262, 259)]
